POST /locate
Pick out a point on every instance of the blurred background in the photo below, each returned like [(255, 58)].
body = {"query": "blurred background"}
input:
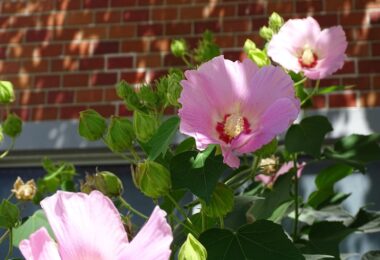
[(65, 56)]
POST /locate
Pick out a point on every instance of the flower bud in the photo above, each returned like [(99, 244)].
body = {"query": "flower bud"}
[(259, 57), (7, 94), (120, 135), (88, 185), (174, 88), (109, 184), (275, 22), (192, 249), (269, 165), (91, 125), (222, 202), (249, 45), (144, 125), (152, 179), (12, 126), (24, 191), (266, 33), (178, 47), (128, 94)]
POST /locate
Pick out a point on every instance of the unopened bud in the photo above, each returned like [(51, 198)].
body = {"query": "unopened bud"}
[(91, 125), (88, 185), (249, 45), (24, 191), (266, 33), (174, 88), (120, 135), (108, 183), (152, 178), (7, 94), (144, 125), (222, 202), (259, 57), (12, 126), (178, 47), (192, 249), (128, 94), (275, 22)]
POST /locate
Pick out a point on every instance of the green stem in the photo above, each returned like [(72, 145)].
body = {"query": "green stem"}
[(315, 91), (237, 176), (178, 207), (190, 229), (9, 149), (296, 206), (252, 172), (130, 208), (135, 154), (300, 82), (203, 221), (221, 221), (187, 62), (4, 236), (10, 248)]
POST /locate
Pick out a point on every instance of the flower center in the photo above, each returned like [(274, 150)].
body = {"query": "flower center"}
[(232, 126), (308, 58)]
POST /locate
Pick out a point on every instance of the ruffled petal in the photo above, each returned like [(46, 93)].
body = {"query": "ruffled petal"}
[(229, 157), (153, 240), (85, 226), (39, 246)]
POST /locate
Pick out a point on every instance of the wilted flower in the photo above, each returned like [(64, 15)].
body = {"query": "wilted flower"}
[(236, 105), (24, 191), (300, 45), (269, 165), (89, 227), (269, 179)]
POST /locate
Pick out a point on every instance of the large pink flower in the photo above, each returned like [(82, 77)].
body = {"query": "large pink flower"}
[(236, 105), (88, 227), (300, 45)]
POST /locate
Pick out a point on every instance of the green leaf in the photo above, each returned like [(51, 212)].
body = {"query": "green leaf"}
[(282, 211), (371, 255), (330, 175), (187, 172), (161, 139), (32, 224), (9, 214), (186, 145), (325, 238), (309, 215), (317, 257), (308, 136), (207, 49), (268, 149), (366, 221), (330, 89), (260, 240)]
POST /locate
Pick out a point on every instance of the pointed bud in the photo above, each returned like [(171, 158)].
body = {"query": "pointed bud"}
[(222, 202), (12, 126), (120, 135), (7, 94), (109, 184), (192, 249), (259, 57), (174, 88), (249, 45), (178, 47), (275, 22), (152, 178), (24, 191), (128, 94), (144, 125), (91, 125), (266, 33)]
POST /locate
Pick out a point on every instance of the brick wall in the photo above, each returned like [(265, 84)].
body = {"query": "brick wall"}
[(64, 56)]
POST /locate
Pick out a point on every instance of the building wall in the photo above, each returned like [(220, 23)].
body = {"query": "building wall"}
[(64, 56)]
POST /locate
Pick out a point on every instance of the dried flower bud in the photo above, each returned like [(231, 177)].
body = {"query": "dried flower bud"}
[(269, 165), (24, 191)]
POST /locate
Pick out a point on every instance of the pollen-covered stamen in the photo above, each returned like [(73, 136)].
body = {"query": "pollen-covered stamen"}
[(232, 126), (308, 58)]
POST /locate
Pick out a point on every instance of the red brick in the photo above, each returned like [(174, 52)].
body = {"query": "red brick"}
[(258, 22), (65, 64), (32, 66), (123, 111), (250, 9), (358, 49), (12, 37), (345, 6), (31, 98), (103, 79), (123, 31), (213, 26), (280, 6), (241, 25), (47, 81), (161, 45), (123, 3), (352, 19), (359, 82), (376, 82), (233, 55), (367, 4), (370, 99), (342, 100), (75, 80), (50, 50), (375, 49), (106, 47), (150, 30), (122, 62), (136, 15), (74, 18), (89, 95), (178, 28), (369, 66), (348, 68), (225, 41), (171, 61), (23, 113), (150, 2), (319, 101), (166, 14), (38, 35), (60, 97), (104, 110), (374, 17), (68, 4), (308, 6), (108, 17), (9, 67), (110, 94), (327, 20), (21, 81), (135, 46), (70, 112), (91, 63), (148, 61), (40, 113), (95, 3), (192, 12), (221, 11), (133, 77)]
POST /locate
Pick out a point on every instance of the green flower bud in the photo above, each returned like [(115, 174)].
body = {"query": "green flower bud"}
[(88, 185), (192, 249), (91, 125), (266, 33), (7, 94), (275, 22), (249, 45), (148, 97), (144, 125), (12, 126), (259, 57), (174, 88), (267, 149), (109, 184), (120, 135), (152, 179), (178, 47), (222, 202), (128, 94)]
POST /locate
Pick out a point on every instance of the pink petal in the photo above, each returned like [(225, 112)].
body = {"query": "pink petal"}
[(39, 246), (285, 168), (229, 157), (153, 240), (85, 226)]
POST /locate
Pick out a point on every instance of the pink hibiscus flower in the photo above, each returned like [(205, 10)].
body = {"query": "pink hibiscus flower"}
[(236, 105), (269, 180), (89, 227), (300, 45)]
